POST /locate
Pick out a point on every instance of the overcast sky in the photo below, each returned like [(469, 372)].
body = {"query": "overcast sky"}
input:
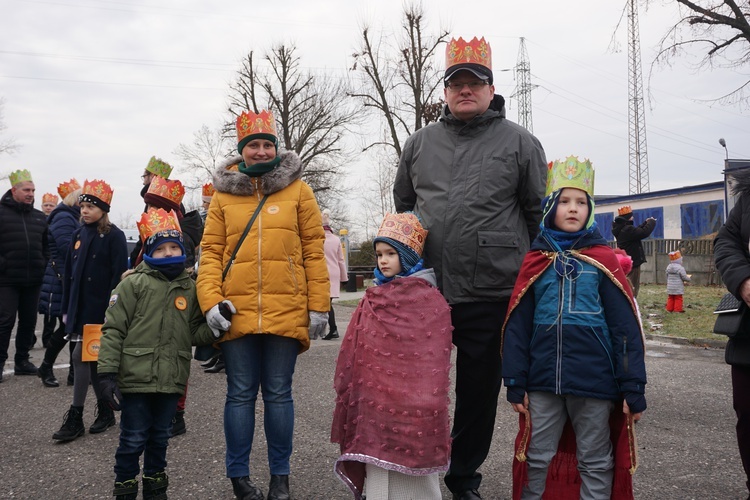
[(93, 89)]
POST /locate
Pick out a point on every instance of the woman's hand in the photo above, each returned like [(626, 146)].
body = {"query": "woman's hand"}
[(217, 319)]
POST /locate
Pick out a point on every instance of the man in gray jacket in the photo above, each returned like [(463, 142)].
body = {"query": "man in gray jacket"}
[(477, 181)]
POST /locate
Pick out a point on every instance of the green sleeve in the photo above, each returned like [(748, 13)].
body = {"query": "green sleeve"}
[(117, 320)]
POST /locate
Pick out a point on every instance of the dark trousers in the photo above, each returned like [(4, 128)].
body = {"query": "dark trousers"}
[(476, 335), (20, 301), (741, 403), (145, 424), (55, 344), (331, 319), (49, 327)]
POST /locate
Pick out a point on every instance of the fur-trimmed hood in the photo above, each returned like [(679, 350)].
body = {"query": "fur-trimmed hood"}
[(741, 182), (228, 179)]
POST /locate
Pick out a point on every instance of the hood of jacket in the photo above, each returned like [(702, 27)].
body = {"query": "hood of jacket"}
[(741, 185), (10, 202), (62, 208), (495, 111), (228, 179)]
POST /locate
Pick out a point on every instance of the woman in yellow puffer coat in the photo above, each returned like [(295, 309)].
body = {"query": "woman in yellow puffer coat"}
[(276, 288)]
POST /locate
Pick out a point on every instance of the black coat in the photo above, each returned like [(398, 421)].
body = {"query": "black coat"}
[(92, 270), (629, 237), (23, 245), (192, 233), (733, 261), (63, 221)]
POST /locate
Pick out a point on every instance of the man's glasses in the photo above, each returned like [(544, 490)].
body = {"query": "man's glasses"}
[(145, 175), (473, 85)]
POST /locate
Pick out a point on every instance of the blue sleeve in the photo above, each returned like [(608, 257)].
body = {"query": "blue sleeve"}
[(119, 252), (516, 345), (627, 345)]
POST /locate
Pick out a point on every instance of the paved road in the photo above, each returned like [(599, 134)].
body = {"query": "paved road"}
[(686, 441)]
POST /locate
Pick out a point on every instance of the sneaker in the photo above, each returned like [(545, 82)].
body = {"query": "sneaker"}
[(25, 367)]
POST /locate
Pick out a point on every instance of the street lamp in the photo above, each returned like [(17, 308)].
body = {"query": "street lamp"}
[(724, 145)]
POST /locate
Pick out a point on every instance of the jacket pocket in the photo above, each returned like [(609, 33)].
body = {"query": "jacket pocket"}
[(183, 367), (137, 364), (497, 259)]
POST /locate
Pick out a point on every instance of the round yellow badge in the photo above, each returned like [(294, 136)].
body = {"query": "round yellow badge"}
[(273, 209), (78, 245), (180, 303)]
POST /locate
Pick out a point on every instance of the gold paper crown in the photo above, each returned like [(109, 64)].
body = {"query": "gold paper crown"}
[(19, 176), (169, 190), (404, 228), (49, 198), (675, 255), (208, 190), (159, 167), (473, 52), (157, 220), (572, 173), (624, 210), (249, 123), (99, 189), (65, 188)]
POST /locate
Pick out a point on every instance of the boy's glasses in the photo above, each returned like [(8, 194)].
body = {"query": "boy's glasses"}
[(473, 85)]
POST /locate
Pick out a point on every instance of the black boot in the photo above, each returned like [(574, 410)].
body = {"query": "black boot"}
[(45, 373), (279, 488), (105, 417), (217, 367), (178, 424), (155, 486), (126, 490), (333, 334), (210, 362), (246, 490), (72, 426)]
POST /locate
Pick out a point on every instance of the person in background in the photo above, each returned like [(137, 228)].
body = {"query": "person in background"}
[(412, 325), (207, 192), (676, 278), (155, 167), (476, 180), (573, 353), (24, 252), (629, 237), (97, 257), (733, 263), (154, 309), (63, 222), (275, 286), (49, 202), (337, 272)]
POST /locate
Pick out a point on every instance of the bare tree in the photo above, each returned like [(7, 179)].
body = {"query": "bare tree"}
[(7, 145), (202, 156), (311, 113), (720, 29), (398, 83)]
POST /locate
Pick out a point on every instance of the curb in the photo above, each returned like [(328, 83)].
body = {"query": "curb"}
[(705, 343)]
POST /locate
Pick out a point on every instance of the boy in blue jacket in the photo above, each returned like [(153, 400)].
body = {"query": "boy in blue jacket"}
[(152, 322), (573, 351)]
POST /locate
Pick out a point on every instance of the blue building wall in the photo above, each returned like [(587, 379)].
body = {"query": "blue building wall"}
[(700, 219)]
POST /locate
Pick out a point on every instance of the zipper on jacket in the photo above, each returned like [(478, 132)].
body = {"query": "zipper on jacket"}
[(625, 354), (558, 360), (260, 259)]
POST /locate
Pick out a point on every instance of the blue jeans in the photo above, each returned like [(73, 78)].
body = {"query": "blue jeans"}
[(144, 428), (253, 361)]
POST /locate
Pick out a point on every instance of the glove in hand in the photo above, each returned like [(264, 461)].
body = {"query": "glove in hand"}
[(110, 392), (219, 317), (318, 322)]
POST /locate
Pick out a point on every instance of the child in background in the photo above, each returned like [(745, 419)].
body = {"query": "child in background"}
[(97, 257), (573, 352), (152, 322), (392, 375), (676, 277)]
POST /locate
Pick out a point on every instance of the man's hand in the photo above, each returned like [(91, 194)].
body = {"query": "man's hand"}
[(626, 411), (522, 407)]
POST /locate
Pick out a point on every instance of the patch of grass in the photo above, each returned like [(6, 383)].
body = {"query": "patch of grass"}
[(696, 323)]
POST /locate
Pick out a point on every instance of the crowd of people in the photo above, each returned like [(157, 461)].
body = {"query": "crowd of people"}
[(493, 251)]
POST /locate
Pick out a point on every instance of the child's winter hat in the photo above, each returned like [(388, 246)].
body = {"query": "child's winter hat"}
[(252, 125), (673, 256), (98, 193), (158, 226), (165, 194), (405, 233), (626, 263)]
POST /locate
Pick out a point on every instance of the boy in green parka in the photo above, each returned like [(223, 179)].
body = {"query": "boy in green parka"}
[(152, 322)]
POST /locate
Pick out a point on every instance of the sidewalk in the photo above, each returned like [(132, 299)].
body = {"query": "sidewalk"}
[(344, 295)]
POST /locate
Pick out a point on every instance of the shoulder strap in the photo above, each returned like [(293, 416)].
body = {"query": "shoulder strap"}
[(242, 238)]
